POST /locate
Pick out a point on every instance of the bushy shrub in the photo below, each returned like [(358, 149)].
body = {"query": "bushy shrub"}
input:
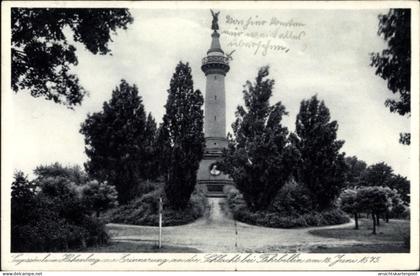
[(99, 196), (400, 212), (235, 200), (280, 219), (292, 199), (49, 214), (52, 233), (144, 210), (145, 187)]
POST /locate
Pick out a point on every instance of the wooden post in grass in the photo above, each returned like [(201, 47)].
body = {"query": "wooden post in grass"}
[(160, 221)]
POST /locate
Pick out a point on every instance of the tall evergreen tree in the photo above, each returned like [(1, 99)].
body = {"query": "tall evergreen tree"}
[(116, 141), (321, 166), (181, 136), (259, 158)]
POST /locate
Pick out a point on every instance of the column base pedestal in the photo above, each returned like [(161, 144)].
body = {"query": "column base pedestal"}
[(213, 182)]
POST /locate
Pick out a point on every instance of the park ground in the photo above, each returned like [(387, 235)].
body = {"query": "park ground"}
[(218, 232)]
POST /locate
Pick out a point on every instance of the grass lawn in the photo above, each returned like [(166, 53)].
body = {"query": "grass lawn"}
[(133, 247), (390, 237)]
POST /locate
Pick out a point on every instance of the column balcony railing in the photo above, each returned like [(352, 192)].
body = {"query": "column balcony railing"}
[(215, 64), (215, 59)]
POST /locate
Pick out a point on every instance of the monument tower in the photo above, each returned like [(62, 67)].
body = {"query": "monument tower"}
[(215, 66)]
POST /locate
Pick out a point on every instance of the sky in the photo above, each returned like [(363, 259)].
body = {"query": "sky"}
[(322, 52)]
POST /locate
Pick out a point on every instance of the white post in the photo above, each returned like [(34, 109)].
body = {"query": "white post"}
[(160, 222)]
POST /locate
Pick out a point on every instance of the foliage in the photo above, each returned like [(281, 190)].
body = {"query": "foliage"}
[(321, 167), (42, 55), (292, 199), (356, 168), (393, 64), (144, 210), (181, 137), (373, 199), (405, 138), (52, 217), (396, 206), (74, 174), (402, 185), (378, 174), (22, 200), (270, 218), (22, 189), (151, 146), (118, 141), (349, 203), (381, 174), (259, 158), (99, 196)]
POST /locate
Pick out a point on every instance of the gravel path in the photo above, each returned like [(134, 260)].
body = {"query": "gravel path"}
[(218, 233)]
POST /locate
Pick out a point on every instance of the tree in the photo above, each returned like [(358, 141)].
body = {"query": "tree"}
[(259, 158), (349, 203), (62, 197), (373, 200), (48, 214), (379, 174), (395, 204), (23, 194), (355, 170), (402, 185), (115, 141), (151, 157), (393, 64), (99, 196), (182, 137), (321, 166), (42, 55), (74, 174), (22, 189)]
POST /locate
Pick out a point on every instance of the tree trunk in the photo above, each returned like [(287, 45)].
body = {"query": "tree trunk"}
[(377, 220), (387, 217), (374, 223), (356, 221)]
